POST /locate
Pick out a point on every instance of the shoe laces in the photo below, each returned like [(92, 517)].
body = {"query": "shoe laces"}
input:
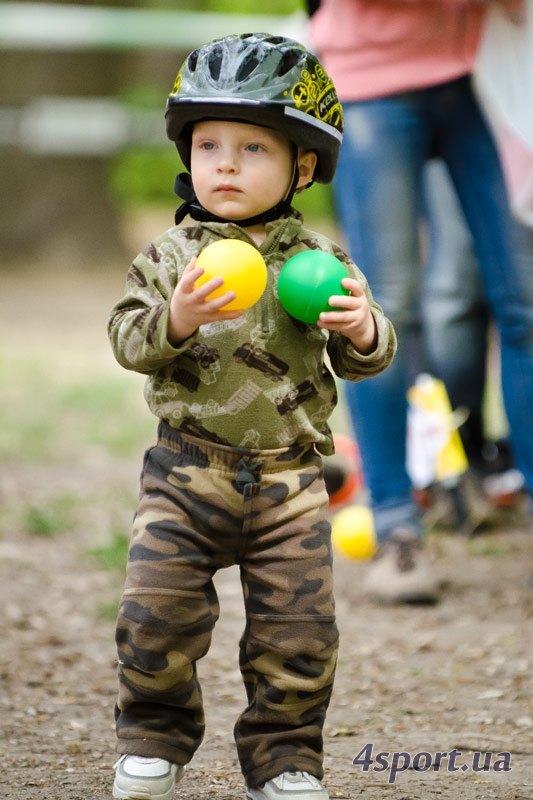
[(405, 546)]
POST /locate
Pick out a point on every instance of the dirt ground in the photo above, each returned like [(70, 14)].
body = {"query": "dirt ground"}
[(417, 680)]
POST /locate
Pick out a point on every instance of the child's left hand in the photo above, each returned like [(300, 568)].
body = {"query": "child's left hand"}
[(356, 321)]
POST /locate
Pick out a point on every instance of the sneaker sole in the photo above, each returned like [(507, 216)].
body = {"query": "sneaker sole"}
[(140, 793)]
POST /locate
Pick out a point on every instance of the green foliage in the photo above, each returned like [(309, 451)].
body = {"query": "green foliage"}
[(107, 610), (316, 204), (493, 548), (143, 176), (51, 517), (252, 7), (113, 555), (234, 6), (71, 412)]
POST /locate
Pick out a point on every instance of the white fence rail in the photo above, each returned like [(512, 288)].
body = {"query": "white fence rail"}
[(99, 126), (49, 26)]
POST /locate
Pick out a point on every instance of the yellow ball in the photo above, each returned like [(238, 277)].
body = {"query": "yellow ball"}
[(353, 533), (241, 265)]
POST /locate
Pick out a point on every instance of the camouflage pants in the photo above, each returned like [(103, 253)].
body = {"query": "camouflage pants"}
[(203, 507)]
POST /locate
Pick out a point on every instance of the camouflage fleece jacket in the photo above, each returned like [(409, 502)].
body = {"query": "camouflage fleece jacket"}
[(259, 381)]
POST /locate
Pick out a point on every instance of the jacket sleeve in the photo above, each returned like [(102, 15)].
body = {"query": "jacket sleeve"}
[(347, 363), (345, 360), (138, 323)]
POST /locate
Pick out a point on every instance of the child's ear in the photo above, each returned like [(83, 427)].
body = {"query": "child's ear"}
[(307, 160)]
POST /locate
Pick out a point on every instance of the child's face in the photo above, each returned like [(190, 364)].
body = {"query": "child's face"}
[(240, 170)]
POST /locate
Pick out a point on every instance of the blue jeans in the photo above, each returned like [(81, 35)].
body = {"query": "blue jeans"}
[(379, 195), (453, 305)]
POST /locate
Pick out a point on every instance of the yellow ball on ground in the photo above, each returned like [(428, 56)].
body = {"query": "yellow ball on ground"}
[(353, 533), (241, 265)]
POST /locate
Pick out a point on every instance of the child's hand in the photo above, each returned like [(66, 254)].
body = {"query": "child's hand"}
[(191, 307), (356, 321)]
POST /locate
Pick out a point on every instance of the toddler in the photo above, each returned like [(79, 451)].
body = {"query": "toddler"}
[(243, 400)]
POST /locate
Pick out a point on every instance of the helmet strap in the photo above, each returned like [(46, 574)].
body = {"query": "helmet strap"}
[(184, 189)]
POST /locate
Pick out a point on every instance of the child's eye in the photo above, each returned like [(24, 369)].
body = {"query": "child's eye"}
[(202, 145), (254, 148)]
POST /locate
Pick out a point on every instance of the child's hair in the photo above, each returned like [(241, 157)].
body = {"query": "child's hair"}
[(263, 80)]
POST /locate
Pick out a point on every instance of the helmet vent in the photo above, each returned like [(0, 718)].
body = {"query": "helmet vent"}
[(289, 60), (248, 65), (193, 61), (215, 63)]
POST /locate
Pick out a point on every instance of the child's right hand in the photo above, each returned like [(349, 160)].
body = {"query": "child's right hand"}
[(191, 307)]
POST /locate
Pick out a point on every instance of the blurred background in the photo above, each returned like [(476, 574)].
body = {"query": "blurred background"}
[(86, 181), (83, 149)]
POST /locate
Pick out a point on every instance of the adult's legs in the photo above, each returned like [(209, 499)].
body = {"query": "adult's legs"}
[(504, 250), (454, 311), (378, 197)]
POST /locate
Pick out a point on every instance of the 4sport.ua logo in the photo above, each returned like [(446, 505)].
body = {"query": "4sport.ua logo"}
[(446, 761)]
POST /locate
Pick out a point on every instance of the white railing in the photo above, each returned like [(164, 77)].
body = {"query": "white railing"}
[(49, 26), (99, 126)]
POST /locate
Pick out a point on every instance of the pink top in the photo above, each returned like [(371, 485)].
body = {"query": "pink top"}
[(372, 48)]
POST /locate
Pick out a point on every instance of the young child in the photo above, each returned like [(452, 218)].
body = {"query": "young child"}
[(243, 399)]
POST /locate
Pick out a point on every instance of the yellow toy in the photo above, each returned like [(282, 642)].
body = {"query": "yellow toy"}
[(241, 265), (353, 533), (435, 452)]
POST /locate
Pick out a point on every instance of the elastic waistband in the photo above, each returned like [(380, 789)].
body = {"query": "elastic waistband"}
[(222, 456)]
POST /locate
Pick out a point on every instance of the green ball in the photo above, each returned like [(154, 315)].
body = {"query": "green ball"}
[(307, 281)]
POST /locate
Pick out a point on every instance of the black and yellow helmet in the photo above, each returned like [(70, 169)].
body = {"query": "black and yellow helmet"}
[(263, 80)]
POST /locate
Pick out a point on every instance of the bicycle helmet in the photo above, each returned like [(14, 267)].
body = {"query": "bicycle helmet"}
[(263, 80)]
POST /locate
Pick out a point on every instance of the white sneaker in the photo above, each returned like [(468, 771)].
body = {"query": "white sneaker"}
[(140, 778), (290, 786)]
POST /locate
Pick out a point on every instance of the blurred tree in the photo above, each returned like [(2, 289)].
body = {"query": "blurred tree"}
[(58, 208)]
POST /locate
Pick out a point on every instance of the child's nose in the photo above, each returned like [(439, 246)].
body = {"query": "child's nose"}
[(228, 162)]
